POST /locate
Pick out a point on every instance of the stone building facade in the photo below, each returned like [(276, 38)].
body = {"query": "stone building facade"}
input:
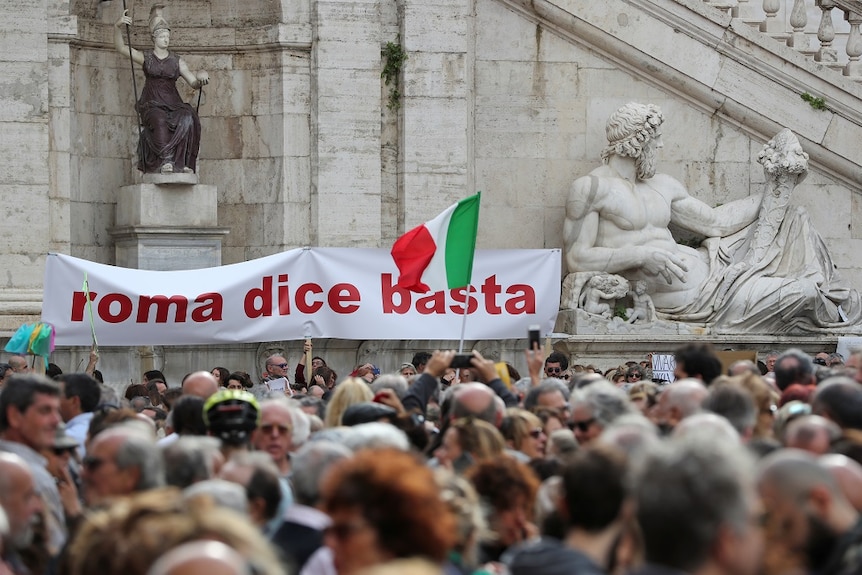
[(504, 96)]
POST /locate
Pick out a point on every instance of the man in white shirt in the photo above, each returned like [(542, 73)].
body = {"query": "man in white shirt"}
[(79, 396)]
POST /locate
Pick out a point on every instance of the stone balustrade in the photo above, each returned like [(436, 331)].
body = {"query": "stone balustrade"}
[(791, 22)]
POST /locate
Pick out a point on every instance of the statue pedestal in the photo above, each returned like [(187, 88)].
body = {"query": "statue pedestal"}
[(577, 322), (168, 223), (610, 350)]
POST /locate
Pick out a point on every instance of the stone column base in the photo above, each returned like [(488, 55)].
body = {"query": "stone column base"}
[(168, 248), (168, 223)]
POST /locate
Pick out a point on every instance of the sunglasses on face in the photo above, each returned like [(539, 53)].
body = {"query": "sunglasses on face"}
[(92, 463), (553, 370), (281, 365), (269, 428), (583, 426)]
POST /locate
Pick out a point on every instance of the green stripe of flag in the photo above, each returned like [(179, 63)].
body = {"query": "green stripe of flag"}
[(461, 242)]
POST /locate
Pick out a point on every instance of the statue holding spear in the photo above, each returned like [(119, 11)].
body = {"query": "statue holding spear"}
[(170, 131)]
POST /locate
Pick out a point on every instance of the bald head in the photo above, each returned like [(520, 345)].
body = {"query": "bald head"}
[(19, 364), (18, 498), (707, 426), (200, 383), (210, 557), (796, 489), (743, 367), (793, 473), (847, 474), (12, 468), (681, 399), (811, 433), (478, 400)]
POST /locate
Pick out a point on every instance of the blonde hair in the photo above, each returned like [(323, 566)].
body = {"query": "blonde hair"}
[(410, 566), (764, 398), (458, 494), (479, 438), (517, 425), (133, 532), (349, 392)]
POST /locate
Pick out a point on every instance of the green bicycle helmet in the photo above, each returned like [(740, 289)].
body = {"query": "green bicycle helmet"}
[(232, 415)]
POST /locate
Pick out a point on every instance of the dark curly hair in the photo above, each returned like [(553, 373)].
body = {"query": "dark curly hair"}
[(505, 484), (398, 496)]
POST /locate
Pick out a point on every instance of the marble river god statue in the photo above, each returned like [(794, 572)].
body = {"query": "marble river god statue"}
[(170, 128), (762, 267)]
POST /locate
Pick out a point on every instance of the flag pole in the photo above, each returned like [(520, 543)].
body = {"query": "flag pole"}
[(464, 319)]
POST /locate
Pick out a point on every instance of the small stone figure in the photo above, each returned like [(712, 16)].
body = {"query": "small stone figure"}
[(643, 307), (171, 130), (785, 165), (603, 287)]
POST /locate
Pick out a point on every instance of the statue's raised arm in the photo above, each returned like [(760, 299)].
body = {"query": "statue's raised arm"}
[(170, 128)]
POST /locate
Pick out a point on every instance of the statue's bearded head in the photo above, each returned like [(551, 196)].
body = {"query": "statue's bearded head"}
[(645, 162), (632, 131)]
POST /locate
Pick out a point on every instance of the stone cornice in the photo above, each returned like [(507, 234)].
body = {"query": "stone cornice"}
[(269, 38), (744, 54), (20, 301), (167, 232)]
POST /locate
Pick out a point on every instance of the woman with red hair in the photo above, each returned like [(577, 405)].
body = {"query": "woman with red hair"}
[(385, 505)]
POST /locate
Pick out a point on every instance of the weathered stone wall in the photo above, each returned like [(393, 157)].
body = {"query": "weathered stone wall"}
[(541, 103), (25, 178), (497, 95), (254, 115), (299, 141)]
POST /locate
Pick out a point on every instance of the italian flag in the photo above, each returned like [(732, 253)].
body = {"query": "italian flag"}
[(438, 255)]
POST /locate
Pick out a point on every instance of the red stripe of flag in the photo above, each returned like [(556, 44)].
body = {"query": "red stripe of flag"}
[(412, 253)]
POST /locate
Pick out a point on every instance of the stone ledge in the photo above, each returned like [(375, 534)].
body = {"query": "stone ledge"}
[(179, 179), (166, 232)]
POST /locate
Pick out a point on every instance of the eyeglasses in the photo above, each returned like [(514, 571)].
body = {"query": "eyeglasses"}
[(342, 531), (92, 463), (634, 376), (281, 365), (566, 376), (553, 370), (270, 427), (536, 433), (61, 451), (582, 425)]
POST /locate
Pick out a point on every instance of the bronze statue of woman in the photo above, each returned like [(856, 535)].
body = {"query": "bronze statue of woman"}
[(171, 130)]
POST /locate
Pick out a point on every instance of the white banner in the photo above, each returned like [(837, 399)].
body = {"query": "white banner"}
[(344, 293)]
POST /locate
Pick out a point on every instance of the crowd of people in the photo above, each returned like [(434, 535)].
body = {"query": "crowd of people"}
[(756, 469)]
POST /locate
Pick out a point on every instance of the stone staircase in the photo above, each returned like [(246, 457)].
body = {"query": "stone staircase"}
[(749, 70), (809, 27)]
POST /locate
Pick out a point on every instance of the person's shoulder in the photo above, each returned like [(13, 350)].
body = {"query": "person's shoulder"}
[(549, 556)]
